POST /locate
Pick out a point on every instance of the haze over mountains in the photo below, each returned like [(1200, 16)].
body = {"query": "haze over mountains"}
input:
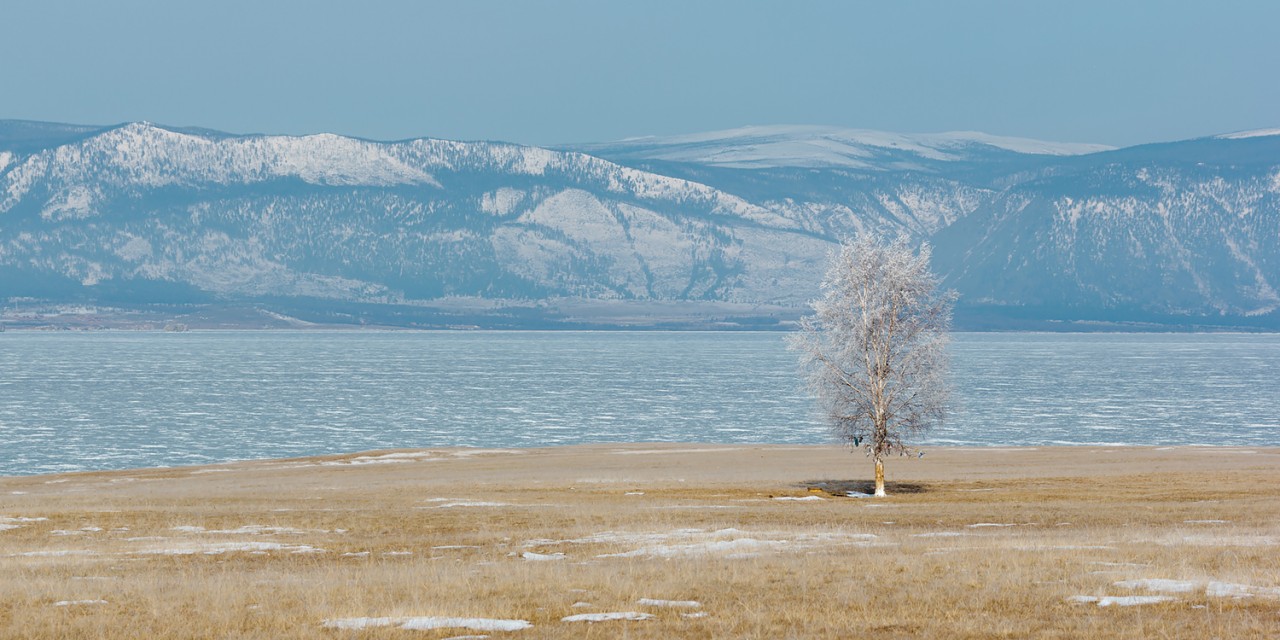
[(139, 223)]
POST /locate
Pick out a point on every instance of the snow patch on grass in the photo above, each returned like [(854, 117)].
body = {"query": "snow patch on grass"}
[(739, 547), (1159, 584), (1120, 601), (605, 617), (542, 557), (449, 503), (248, 529), (687, 604), (216, 548), (72, 603), (424, 623), (1232, 590)]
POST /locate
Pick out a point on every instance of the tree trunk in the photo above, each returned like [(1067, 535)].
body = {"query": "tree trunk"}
[(879, 477)]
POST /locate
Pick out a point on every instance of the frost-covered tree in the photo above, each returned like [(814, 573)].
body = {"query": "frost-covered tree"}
[(874, 350)]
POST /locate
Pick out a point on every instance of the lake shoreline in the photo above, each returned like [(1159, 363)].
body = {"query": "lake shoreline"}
[(1071, 459)]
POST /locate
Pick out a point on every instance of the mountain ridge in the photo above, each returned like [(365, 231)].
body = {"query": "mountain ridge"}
[(428, 232)]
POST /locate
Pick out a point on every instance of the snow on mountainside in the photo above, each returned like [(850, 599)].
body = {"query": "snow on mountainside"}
[(827, 147), (706, 230), (1256, 133)]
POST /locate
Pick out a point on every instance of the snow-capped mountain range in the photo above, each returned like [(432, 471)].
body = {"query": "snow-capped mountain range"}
[(721, 229)]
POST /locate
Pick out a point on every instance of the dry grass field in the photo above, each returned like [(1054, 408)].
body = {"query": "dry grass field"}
[(693, 541)]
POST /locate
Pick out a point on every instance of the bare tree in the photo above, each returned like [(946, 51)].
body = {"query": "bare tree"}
[(874, 350)]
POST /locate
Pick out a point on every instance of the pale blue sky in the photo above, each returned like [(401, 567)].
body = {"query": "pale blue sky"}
[(1116, 72)]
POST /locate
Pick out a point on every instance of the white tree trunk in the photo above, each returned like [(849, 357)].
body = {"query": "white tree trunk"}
[(879, 477)]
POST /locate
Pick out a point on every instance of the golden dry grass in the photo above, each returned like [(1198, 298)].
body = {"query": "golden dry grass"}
[(416, 538)]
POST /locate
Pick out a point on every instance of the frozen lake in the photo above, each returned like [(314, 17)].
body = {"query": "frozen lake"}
[(81, 401)]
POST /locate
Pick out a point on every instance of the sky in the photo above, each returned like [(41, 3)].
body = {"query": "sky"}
[(548, 72)]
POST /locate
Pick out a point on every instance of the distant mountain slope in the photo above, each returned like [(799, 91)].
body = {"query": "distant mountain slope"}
[(718, 230), (829, 147)]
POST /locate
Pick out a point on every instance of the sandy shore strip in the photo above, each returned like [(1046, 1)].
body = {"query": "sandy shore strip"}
[(653, 540)]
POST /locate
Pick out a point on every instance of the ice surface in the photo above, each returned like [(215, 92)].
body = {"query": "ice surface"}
[(1017, 389)]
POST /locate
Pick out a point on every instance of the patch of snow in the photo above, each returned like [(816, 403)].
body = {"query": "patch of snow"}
[(467, 453), (6, 526), (687, 604), (356, 554), (68, 603), (1206, 521), (738, 547), (424, 623), (819, 146), (542, 557), (979, 525), (248, 529), (695, 614), (805, 498), (1159, 584), (859, 494), (359, 623), (634, 493), (447, 503), (605, 617), (501, 202), (1231, 590), (939, 534), (216, 548), (581, 605), (387, 458), (476, 624), (1255, 133), (1120, 601)]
